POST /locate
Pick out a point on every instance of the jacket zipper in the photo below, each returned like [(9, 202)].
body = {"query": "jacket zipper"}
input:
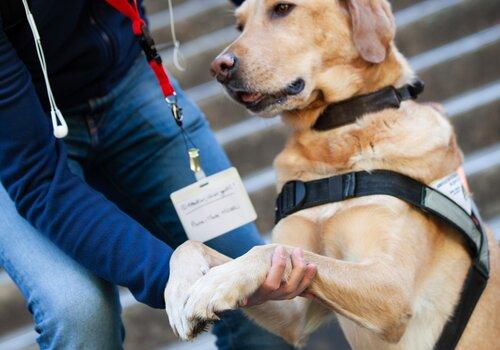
[(108, 44)]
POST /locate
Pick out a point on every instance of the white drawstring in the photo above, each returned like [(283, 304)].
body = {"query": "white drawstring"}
[(58, 123), (177, 45)]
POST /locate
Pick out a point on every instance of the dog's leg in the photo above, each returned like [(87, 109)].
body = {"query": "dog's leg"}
[(226, 286), (368, 293), (374, 291), (188, 263), (191, 261), (293, 320)]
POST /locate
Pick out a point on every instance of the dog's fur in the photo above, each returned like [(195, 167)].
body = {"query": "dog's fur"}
[(391, 273)]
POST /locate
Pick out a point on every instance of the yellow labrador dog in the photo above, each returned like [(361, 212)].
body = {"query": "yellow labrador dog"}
[(392, 274)]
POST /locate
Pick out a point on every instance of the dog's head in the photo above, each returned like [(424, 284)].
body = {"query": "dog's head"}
[(292, 53)]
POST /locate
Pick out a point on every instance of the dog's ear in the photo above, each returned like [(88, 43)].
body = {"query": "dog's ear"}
[(373, 28)]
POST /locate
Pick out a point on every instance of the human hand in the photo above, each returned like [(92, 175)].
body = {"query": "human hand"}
[(274, 288)]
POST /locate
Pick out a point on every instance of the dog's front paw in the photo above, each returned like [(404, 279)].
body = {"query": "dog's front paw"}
[(219, 290), (186, 267), (176, 295)]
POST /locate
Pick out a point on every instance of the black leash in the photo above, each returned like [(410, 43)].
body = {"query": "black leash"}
[(346, 112)]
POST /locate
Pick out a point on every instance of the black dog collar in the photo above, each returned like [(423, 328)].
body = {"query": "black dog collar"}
[(347, 111)]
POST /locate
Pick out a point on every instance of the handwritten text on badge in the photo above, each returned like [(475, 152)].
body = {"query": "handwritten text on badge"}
[(213, 206)]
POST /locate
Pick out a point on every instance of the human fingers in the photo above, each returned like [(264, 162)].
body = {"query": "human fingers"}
[(275, 274), (306, 281), (296, 276)]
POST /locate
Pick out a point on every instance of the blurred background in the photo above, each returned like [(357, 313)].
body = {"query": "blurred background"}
[(453, 45)]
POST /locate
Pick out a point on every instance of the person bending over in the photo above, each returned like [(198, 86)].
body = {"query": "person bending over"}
[(80, 216)]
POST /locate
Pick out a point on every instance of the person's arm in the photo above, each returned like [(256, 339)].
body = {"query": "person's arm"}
[(79, 220)]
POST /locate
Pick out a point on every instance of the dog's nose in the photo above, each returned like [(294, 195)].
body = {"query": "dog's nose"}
[(224, 67)]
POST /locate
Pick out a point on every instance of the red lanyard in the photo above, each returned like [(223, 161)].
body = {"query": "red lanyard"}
[(140, 30)]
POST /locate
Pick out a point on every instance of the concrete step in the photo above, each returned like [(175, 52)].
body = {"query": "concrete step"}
[(401, 4), (198, 54), (459, 66), (494, 226), (469, 109), (153, 6), (253, 144), (201, 51), (483, 171), (206, 341), (450, 18), (192, 19), (220, 110)]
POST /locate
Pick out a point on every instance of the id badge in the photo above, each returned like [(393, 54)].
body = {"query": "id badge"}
[(213, 206)]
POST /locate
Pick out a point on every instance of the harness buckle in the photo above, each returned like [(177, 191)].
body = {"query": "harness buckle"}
[(410, 91), (291, 198), (416, 88), (349, 185)]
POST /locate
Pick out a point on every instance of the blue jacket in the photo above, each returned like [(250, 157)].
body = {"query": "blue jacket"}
[(88, 46)]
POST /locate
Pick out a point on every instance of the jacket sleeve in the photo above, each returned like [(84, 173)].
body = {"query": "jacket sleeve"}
[(79, 220)]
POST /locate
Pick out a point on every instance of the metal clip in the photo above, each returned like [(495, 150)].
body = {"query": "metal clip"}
[(194, 159), (195, 163), (176, 110)]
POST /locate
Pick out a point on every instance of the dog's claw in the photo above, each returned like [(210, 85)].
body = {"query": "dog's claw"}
[(200, 325)]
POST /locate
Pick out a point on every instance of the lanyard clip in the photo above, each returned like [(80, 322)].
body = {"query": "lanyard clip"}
[(195, 163), (176, 110), (148, 45)]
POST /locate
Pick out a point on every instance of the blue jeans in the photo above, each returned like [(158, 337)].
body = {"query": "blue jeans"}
[(127, 146)]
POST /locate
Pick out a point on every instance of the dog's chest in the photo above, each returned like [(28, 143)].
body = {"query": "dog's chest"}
[(341, 229)]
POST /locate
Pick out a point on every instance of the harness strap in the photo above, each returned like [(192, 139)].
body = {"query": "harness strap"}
[(140, 29), (298, 195), (472, 290)]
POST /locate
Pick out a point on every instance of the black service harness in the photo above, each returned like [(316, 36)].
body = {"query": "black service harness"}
[(298, 195)]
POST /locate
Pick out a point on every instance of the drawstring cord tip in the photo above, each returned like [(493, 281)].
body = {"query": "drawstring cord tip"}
[(60, 130)]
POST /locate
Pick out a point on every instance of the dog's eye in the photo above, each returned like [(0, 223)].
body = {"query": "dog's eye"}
[(240, 27), (282, 9)]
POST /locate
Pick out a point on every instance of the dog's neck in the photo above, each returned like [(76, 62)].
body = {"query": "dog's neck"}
[(394, 71), (415, 139)]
